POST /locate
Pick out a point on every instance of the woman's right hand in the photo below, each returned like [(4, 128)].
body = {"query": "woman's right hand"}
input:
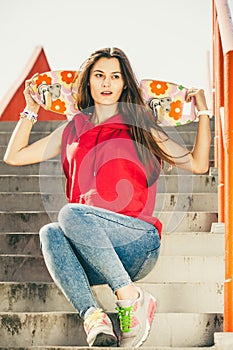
[(31, 104)]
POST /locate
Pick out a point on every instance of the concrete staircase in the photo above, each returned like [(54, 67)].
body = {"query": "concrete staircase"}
[(187, 281)]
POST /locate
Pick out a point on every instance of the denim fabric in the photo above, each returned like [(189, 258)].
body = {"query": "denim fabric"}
[(90, 246)]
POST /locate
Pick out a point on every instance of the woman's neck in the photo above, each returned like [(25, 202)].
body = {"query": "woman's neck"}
[(103, 113)]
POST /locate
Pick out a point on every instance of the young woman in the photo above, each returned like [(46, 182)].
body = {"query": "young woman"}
[(111, 154)]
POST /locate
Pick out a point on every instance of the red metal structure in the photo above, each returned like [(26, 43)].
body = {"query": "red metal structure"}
[(223, 110), (13, 102)]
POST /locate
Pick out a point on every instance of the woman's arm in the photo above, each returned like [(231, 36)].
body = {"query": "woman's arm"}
[(197, 160), (19, 152)]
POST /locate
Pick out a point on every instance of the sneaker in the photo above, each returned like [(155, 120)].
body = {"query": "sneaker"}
[(98, 328), (136, 317)]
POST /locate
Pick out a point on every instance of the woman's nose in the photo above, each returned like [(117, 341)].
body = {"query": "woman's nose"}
[(106, 82)]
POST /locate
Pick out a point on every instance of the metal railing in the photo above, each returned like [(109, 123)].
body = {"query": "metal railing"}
[(223, 111)]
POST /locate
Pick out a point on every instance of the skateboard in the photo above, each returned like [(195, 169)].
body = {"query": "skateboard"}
[(167, 102), (57, 90)]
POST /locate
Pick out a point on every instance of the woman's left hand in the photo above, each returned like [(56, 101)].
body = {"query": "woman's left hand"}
[(200, 100)]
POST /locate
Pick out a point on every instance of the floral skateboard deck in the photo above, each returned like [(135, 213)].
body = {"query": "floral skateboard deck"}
[(167, 101), (56, 91)]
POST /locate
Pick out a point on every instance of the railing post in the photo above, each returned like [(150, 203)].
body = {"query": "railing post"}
[(214, 79), (228, 145), (223, 18), (219, 102)]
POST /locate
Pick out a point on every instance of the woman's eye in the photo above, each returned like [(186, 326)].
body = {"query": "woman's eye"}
[(115, 76), (98, 75)]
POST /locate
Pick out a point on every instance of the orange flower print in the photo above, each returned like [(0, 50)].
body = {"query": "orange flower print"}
[(43, 79), (58, 106), (176, 110), (67, 76), (158, 87)]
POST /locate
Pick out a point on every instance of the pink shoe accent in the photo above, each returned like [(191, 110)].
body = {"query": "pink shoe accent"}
[(105, 322), (151, 311), (134, 322), (135, 307)]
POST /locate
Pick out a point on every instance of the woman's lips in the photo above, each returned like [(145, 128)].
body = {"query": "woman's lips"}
[(106, 93)]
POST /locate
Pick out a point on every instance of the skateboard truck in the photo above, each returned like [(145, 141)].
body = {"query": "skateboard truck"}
[(159, 103), (49, 93)]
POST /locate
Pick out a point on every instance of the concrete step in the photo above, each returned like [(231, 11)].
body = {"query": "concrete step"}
[(176, 243), (49, 167), (34, 136), (25, 221), (53, 167), (18, 243), (51, 125), (47, 126), (174, 297), (31, 221), (186, 221), (187, 202), (167, 169), (223, 340), (55, 184), (183, 184), (3, 150), (171, 297), (27, 268), (188, 127), (187, 269), (192, 244), (32, 183), (182, 137), (101, 348), (60, 329), (23, 268), (29, 201), (16, 201)]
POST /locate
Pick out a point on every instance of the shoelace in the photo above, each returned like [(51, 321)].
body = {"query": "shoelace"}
[(124, 315), (96, 317)]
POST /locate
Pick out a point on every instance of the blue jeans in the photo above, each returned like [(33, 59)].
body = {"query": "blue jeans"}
[(91, 246)]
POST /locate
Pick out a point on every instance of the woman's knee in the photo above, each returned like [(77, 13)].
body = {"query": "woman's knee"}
[(64, 212), (49, 232), (71, 214)]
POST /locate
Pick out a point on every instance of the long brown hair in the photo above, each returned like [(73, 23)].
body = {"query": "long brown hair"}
[(131, 104)]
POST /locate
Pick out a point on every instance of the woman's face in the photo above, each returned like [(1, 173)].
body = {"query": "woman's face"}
[(106, 82)]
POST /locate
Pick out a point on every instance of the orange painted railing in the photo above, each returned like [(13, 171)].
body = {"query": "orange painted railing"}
[(223, 111)]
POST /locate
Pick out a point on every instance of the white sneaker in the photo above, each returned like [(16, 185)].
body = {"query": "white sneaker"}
[(136, 317), (98, 328)]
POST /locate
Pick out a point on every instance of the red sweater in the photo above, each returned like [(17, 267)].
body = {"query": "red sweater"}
[(102, 168)]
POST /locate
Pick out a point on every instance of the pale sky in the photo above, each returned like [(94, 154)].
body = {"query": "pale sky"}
[(164, 39)]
